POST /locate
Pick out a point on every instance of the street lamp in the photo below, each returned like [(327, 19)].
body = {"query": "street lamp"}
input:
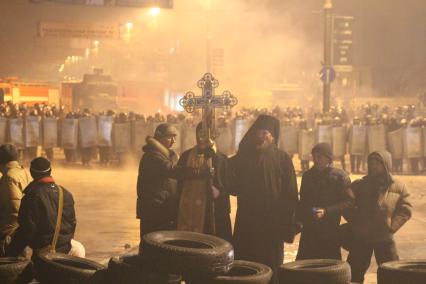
[(154, 11), (328, 45)]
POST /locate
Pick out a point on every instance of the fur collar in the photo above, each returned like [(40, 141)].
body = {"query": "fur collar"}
[(151, 141)]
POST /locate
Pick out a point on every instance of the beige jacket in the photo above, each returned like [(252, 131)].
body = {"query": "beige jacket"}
[(13, 181), (379, 211)]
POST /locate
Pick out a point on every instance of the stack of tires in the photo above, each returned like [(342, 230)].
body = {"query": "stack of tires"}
[(49, 268), (315, 271), (173, 256), (402, 271)]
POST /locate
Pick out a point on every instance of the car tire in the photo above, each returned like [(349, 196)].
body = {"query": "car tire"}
[(187, 253), (55, 268), (129, 269), (318, 271), (15, 270), (244, 272), (402, 271)]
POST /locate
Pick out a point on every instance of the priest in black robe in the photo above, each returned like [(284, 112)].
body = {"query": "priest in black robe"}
[(266, 188), (204, 204)]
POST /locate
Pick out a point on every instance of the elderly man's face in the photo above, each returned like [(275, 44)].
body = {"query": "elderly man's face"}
[(263, 136), (168, 141)]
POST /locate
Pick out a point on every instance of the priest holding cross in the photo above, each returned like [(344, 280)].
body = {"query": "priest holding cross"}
[(204, 204)]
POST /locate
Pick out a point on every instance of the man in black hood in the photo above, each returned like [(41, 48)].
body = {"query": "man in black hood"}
[(266, 188), (381, 208)]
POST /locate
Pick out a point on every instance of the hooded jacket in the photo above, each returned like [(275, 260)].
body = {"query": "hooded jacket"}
[(12, 184), (382, 205)]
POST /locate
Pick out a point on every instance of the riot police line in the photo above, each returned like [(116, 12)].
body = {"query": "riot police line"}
[(128, 136), (114, 136)]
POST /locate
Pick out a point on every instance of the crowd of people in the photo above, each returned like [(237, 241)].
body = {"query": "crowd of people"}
[(112, 138), (269, 209), (192, 193)]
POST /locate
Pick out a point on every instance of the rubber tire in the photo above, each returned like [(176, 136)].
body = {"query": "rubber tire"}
[(244, 272), (129, 269), (53, 268), (402, 271), (187, 253), (318, 271), (15, 270)]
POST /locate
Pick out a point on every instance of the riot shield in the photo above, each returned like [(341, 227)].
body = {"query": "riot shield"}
[(288, 139), (105, 130), (324, 134), (50, 132), (16, 134), (3, 130), (121, 137), (240, 128), (339, 141), (413, 142), (424, 142), (140, 132), (358, 140), (224, 140), (69, 133), (306, 143), (376, 137), (32, 131), (88, 132), (395, 143)]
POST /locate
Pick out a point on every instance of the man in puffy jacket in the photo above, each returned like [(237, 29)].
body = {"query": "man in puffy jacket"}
[(38, 214), (156, 187), (14, 179), (381, 208)]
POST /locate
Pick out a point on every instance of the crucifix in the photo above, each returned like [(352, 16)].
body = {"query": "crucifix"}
[(208, 102)]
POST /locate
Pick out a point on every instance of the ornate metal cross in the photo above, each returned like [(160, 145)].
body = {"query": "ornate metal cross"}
[(208, 102)]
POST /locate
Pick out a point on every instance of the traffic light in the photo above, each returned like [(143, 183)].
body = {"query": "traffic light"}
[(343, 40)]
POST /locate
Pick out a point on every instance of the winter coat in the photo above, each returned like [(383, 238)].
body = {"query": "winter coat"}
[(156, 187), (37, 218), (13, 182), (328, 189), (381, 208)]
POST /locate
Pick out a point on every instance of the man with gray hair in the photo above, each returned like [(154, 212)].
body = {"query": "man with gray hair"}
[(156, 186), (13, 181)]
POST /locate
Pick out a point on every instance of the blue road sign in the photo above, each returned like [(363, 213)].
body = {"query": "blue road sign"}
[(327, 75)]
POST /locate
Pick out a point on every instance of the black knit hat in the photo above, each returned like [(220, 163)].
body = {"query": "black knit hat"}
[(40, 166), (323, 149), (8, 153)]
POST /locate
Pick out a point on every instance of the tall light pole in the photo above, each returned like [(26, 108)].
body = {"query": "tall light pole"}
[(208, 38), (328, 49)]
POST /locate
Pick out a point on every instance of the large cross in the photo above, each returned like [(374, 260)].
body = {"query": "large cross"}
[(208, 102)]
